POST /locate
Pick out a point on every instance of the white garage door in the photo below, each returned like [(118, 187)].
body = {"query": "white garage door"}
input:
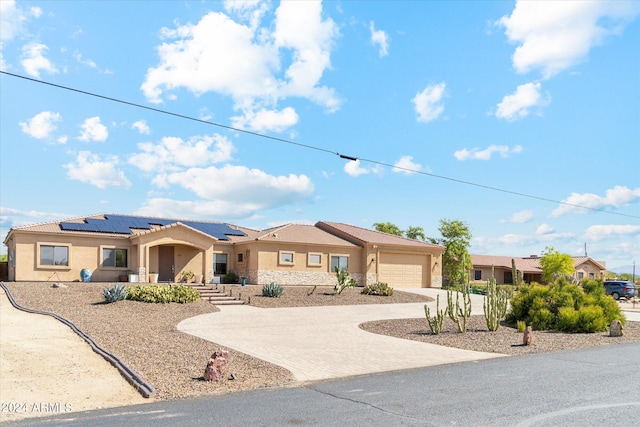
[(403, 271)]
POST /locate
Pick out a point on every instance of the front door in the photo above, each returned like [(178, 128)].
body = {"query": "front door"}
[(166, 270)]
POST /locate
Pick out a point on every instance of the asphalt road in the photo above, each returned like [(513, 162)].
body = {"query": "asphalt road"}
[(592, 387)]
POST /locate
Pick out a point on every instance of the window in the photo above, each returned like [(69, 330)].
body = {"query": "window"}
[(240, 258), (580, 275), (592, 276), (54, 255), (219, 263), (286, 257), (112, 257), (341, 262), (508, 277), (315, 259), (477, 275)]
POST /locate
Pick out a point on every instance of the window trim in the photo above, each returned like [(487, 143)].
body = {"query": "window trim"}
[(311, 263), (286, 252), (331, 256), (215, 254), (116, 248), (39, 264)]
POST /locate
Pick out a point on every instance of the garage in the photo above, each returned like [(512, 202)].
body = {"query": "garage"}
[(404, 270)]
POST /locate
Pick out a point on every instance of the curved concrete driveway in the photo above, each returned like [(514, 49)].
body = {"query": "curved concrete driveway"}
[(317, 343)]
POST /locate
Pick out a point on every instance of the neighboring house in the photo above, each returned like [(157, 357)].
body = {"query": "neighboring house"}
[(114, 245), (585, 267)]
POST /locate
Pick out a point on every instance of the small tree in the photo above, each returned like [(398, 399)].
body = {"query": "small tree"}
[(456, 260), (554, 263), (389, 228), (416, 233)]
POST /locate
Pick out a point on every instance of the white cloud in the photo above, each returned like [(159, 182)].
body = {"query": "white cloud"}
[(616, 197), (41, 125), (93, 130), (520, 217), (537, 239), (174, 154), (519, 104), (353, 168), (18, 217), (406, 165), (244, 62), (142, 127), (600, 232), (544, 229), (33, 60), (379, 38), (89, 168), (252, 188), (428, 103), (476, 154), (555, 35), (265, 120)]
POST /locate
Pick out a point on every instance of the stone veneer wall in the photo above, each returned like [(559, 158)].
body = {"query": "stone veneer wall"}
[(436, 281), (303, 278)]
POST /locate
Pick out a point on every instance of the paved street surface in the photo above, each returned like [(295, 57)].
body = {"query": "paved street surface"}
[(591, 387)]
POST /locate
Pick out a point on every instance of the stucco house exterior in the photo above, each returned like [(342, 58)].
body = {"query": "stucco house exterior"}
[(110, 246), (585, 268)]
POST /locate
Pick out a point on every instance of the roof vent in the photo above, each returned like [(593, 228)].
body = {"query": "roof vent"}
[(533, 256), (274, 235)]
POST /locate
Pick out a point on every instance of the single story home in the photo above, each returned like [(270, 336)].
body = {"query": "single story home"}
[(585, 267), (111, 246)]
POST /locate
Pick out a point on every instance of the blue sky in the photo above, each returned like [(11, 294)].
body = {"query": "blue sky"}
[(536, 98)]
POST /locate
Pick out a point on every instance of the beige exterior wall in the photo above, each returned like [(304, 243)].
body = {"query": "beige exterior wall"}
[(264, 263), (83, 253), (588, 270)]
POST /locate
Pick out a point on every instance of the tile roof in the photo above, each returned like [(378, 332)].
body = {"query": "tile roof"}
[(300, 233), (372, 236), (526, 264)]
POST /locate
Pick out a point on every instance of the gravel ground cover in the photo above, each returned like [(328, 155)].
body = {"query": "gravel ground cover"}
[(145, 337)]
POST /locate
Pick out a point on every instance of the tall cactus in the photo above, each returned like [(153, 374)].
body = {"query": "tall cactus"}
[(435, 322), (459, 314), (516, 274), (495, 304)]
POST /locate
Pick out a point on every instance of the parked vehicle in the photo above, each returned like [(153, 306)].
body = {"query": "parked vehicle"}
[(620, 288)]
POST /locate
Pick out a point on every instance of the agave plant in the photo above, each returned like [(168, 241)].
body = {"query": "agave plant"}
[(114, 293)]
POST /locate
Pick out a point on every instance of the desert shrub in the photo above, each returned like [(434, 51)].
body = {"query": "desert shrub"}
[(591, 319), (163, 294), (231, 277), (379, 288), (114, 293), (565, 306), (521, 326), (186, 276), (272, 290)]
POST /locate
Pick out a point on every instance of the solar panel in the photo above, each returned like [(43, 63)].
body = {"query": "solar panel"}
[(123, 224)]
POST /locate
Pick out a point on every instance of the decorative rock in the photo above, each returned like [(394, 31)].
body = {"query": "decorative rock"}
[(217, 366), (615, 330), (527, 338), (59, 285)]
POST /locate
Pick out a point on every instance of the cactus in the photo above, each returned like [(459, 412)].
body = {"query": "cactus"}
[(516, 274), (344, 280), (495, 304), (114, 293), (459, 314), (435, 323)]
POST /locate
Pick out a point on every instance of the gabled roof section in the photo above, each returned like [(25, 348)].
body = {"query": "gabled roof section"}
[(53, 227), (170, 226), (303, 234), (363, 236)]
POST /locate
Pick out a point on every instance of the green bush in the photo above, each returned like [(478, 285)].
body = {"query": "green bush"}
[(114, 293), (231, 277), (163, 293), (564, 306), (379, 288), (272, 290)]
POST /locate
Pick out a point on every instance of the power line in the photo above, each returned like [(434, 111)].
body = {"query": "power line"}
[(311, 147)]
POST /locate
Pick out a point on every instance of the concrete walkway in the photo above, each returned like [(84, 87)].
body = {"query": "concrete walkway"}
[(317, 343)]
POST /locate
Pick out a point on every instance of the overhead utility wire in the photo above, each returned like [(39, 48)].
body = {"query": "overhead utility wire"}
[(286, 141)]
